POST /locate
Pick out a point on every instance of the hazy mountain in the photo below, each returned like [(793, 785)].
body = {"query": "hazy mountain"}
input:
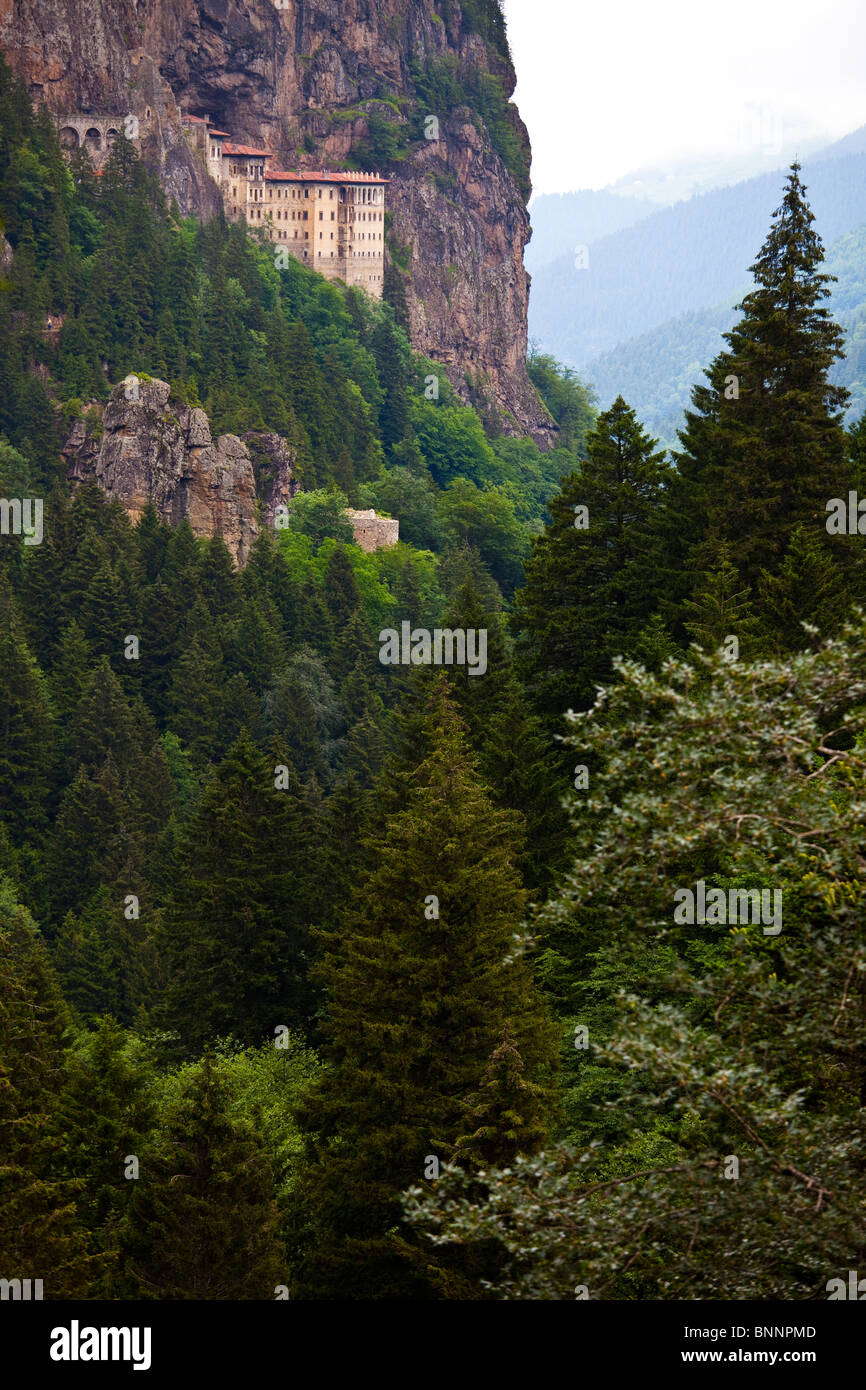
[(561, 221), (655, 371), (680, 260)]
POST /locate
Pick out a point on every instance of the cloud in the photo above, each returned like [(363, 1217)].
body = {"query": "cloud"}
[(607, 88)]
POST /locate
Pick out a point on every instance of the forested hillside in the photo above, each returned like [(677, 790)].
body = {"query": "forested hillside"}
[(327, 978), (658, 369), (680, 260)]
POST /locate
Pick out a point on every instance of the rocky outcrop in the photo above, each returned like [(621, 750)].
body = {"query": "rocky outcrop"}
[(307, 77), (273, 460), (157, 449)]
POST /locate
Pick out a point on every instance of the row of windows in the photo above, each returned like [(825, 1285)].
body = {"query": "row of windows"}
[(360, 195)]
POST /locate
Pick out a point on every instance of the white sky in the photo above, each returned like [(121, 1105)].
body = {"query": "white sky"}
[(608, 86)]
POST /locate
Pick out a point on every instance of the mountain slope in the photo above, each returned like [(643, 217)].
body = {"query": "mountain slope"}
[(655, 371), (325, 85), (681, 260)]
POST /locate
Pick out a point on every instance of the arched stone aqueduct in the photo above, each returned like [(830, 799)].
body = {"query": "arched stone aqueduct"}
[(95, 133)]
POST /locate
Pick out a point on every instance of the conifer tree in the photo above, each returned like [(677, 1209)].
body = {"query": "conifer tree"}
[(506, 1116), (809, 587), (721, 608), (420, 981), (26, 729), (590, 580), (39, 1237), (203, 1222), (107, 1108), (764, 447), (235, 935)]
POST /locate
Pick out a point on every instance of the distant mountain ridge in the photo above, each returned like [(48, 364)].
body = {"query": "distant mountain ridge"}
[(680, 260), (655, 371)]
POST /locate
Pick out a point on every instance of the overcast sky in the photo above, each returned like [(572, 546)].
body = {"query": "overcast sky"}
[(608, 86)]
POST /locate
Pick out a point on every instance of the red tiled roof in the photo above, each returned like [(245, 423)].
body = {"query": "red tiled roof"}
[(324, 176), (243, 149), (211, 131), (198, 120)]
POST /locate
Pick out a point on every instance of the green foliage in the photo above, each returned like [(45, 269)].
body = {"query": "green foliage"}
[(203, 1221), (320, 514), (417, 999), (571, 404), (590, 587), (717, 1042)]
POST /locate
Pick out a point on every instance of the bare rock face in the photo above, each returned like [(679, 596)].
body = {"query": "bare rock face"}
[(303, 77), (273, 464), (157, 449)]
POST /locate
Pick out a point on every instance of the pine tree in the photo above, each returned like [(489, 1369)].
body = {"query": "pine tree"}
[(203, 1222), (235, 935), (590, 580), (39, 1235), (421, 978), (764, 447)]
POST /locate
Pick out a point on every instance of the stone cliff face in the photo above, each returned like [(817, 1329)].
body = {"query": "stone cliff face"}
[(156, 448), (308, 78)]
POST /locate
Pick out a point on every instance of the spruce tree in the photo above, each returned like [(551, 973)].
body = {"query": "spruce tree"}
[(39, 1235), (764, 447), (107, 1109), (591, 580), (421, 978), (505, 1118), (808, 587), (721, 608), (26, 727), (235, 935), (203, 1219)]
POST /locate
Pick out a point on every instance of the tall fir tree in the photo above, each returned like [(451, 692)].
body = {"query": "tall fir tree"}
[(591, 578), (764, 446), (40, 1237), (235, 936), (203, 1221), (421, 979)]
